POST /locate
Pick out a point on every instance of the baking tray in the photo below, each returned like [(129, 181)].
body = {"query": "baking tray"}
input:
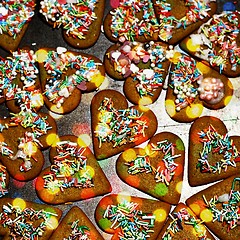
[(40, 34)]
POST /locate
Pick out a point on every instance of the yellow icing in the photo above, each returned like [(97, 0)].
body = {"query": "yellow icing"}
[(160, 214)]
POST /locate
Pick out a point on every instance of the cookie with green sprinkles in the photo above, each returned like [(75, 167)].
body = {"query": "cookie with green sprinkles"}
[(156, 169), (20, 86), (218, 207), (21, 219), (74, 174), (80, 20), (15, 16), (130, 217), (213, 154), (182, 223), (22, 154), (177, 19), (76, 225), (217, 42), (143, 66), (65, 75), (192, 86), (116, 126)]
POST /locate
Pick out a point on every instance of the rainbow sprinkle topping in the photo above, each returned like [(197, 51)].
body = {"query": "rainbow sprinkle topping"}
[(20, 222), (57, 64), (14, 14), (75, 16), (181, 218), (3, 177), (134, 224), (196, 10), (119, 126), (215, 143), (161, 174), (78, 232), (126, 24), (225, 208), (69, 168)]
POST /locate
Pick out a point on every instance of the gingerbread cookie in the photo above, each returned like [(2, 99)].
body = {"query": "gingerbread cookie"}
[(65, 75), (157, 169), (80, 21), (213, 154), (192, 86), (74, 174), (218, 207), (76, 225), (182, 223), (117, 127), (131, 217), (22, 219), (15, 18), (218, 43), (177, 19), (21, 154), (131, 21), (20, 87), (144, 68)]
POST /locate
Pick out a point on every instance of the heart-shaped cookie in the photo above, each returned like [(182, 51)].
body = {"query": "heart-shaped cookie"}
[(20, 85), (218, 207), (80, 21), (218, 43), (144, 66), (119, 214), (65, 75), (184, 224), (76, 225), (157, 169), (117, 127), (131, 21), (74, 174), (15, 18), (213, 154), (178, 18), (192, 86), (22, 219), (22, 137)]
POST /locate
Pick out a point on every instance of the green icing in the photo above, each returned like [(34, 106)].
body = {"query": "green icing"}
[(104, 223), (161, 189), (179, 145)]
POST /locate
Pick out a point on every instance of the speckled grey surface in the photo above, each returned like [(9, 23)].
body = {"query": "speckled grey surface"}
[(38, 35)]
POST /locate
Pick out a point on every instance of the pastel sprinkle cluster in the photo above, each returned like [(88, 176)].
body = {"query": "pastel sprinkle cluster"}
[(57, 88), (215, 143), (219, 35), (125, 23), (119, 126), (126, 58), (75, 16), (225, 208), (134, 224), (161, 174), (196, 10), (14, 14), (20, 221), (69, 168), (78, 232), (181, 218), (184, 79)]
